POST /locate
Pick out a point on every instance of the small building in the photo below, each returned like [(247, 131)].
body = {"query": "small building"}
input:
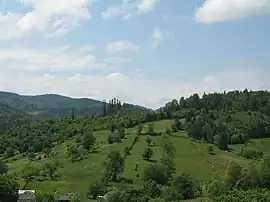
[(26, 195)]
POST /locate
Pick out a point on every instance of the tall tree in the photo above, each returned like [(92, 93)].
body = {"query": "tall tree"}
[(88, 140), (114, 166), (8, 189)]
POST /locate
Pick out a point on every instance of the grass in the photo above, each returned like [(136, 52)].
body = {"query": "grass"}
[(192, 157)]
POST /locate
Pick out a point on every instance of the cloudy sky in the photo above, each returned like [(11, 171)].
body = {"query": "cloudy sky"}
[(142, 51)]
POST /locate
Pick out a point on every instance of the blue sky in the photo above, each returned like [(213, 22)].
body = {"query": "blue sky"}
[(142, 51)]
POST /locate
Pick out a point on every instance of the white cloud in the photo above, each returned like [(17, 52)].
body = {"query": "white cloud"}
[(35, 72), (159, 36), (49, 18), (224, 10), (128, 8), (49, 59), (119, 46), (147, 5), (124, 10)]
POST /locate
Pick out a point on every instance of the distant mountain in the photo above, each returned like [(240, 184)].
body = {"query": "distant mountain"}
[(50, 104), (10, 117)]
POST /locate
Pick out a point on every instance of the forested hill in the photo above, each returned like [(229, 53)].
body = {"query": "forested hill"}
[(230, 101), (10, 117), (50, 104)]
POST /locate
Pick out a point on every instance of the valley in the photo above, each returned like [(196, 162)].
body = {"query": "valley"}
[(194, 141)]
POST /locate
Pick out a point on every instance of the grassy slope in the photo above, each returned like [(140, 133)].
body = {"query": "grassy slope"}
[(191, 157)]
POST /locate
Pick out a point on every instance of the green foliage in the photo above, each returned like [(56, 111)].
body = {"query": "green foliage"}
[(171, 194), (148, 140), (3, 167), (47, 197), (151, 188), (210, 149), (185, 185), (140, 129), (76, 153), (127, 151), (168, 131), (121, 132), (233, 174), (237, 195), (128, 195), (251, 153), (10, 152), (50, 168), (114, 166), (156, 172), (265, 172), (147, 154), (150, 129), (8, 189), (30, 173), (114, 138), (96, 189), (88, 140), (157, 200)]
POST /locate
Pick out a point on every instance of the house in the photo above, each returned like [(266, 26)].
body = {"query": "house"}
[(26, 195)]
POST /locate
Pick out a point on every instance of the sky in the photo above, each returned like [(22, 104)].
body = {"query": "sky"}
[(145, 52)]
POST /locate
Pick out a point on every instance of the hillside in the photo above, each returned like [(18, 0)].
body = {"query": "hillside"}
[(50, 104), (10, 117), (197, 147)]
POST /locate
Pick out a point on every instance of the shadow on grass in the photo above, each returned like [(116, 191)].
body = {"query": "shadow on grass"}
[(151, 160), (125, 180)]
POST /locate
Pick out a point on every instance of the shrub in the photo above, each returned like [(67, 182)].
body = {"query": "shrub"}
[(210, 149), (148, 140), (157, 173), (147, 154), (251, 153), (237, 195), (96, 189)]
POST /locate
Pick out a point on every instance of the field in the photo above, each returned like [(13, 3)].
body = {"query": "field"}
[(192, 157)]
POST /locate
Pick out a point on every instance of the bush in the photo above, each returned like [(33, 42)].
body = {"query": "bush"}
[(96, 189), (171, 194), (3, 167), (251, 153), (188, 188), (127, 151), (78, 139), (168, 131), (210, 149), (148, 140), (114, 138), (10, 152), (151, 189), (136, 138), (237, 195), (157, 173), (147, 154)]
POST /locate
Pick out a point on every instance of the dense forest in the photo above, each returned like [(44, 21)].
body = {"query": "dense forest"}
[(220, 119)]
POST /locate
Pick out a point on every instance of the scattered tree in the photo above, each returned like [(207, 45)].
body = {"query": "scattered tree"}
[(96, 189), (88, 140), (50, 168), (147, 154), (8, 189), (210, 149), (114, 166), (148, 140), (29, 173), (157, 173)]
